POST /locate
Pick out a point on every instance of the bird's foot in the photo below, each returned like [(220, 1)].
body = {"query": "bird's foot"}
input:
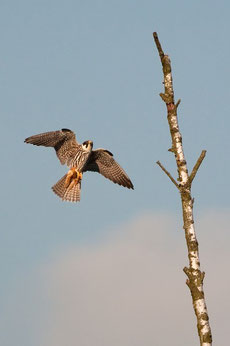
[(73, 177)]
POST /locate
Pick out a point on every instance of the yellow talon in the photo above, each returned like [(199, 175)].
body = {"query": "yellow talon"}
[(80, 176), (73, 182)]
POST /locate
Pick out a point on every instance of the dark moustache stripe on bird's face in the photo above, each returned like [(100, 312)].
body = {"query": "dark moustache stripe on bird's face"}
[(87, 143)]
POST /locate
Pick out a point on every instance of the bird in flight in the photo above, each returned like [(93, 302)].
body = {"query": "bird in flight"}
[(79, 158)]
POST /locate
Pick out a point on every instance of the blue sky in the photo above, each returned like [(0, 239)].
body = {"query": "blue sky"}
[(92, 66)]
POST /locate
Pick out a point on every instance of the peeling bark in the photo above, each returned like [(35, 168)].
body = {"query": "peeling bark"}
[(193, 272)]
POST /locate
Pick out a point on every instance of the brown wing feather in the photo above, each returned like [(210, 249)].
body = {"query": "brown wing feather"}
[(63, 141), (102, 161)]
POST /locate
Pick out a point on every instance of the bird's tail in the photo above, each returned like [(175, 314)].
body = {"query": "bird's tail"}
[(72, 194)]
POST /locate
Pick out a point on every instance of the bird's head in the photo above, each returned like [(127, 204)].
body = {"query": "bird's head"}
[(87, 145)]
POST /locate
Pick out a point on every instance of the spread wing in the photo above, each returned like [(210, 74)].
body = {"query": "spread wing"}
[(102, 161), (64, 142)]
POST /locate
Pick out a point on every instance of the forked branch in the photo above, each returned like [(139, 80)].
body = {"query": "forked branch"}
[(197, 166), (193, 272), (168, 174)]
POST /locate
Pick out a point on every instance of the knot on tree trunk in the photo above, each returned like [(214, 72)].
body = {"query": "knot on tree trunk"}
[(195, 282)]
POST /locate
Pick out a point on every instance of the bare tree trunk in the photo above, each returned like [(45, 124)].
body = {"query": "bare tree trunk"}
[(193, 272)]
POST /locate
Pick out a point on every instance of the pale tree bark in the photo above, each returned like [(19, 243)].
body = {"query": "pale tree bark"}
[(183, 184)]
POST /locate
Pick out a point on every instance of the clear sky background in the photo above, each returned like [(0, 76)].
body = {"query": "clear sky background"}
[(108, 271)]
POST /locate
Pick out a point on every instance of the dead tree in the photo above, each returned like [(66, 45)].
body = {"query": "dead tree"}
[(183, 184)]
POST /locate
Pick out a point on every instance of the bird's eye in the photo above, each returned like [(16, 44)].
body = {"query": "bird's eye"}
[(85, 144)]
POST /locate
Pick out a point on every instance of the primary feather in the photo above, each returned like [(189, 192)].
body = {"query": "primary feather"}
[(102, 161)]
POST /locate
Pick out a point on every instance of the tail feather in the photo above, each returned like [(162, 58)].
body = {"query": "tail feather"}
[(67, 194)]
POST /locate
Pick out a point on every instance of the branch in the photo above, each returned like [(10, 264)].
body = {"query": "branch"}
[(168, 174), (161, 53), (168, 96), (178, 102), (197, 166), (195, 276)]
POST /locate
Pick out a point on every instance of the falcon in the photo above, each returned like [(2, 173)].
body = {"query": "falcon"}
[(79, 158)]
